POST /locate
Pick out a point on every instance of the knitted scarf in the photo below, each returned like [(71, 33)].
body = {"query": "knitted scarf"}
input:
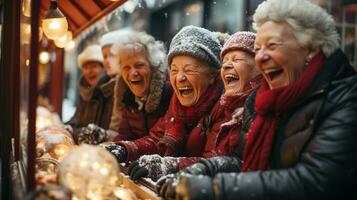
[(270, 105), (185, 118)]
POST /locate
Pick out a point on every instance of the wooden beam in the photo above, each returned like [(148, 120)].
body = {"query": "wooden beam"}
[(100, 4), (79, 7), (106, 11)]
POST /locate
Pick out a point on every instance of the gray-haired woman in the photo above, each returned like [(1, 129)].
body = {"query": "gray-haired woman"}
[(301, 142)]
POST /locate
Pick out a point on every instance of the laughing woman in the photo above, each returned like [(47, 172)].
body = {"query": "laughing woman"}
[(142, 92), (216, 134), (301, 143), (194, 60)]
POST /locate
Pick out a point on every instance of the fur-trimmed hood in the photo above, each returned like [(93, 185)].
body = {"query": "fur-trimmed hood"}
[(124, 97)]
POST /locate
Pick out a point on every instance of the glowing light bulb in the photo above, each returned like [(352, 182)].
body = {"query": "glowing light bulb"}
[(64, 40), (44, 57)]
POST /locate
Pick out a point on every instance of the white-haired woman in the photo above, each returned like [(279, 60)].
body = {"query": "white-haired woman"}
[(301, 142), (143, 91)]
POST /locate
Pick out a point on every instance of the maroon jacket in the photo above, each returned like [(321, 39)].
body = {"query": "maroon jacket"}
[(168, 136), (217, 134), (136, 123)]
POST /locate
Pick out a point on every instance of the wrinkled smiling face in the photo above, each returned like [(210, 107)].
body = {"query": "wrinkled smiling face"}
[(91, 72), (237, 70), (279, 55), (110, 70), (190, 78), (136, 71)]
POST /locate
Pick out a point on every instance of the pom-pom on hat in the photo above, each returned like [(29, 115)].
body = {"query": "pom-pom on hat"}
[(197, 42), (242, 40), (91, 53), (112, 37)]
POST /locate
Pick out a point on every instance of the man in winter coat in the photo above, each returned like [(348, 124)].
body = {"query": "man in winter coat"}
[(301, 142)]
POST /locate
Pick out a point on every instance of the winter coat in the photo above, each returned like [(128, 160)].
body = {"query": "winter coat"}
[(95, 103), (160, 140), (314, 151), (136, 122), (217, 133)]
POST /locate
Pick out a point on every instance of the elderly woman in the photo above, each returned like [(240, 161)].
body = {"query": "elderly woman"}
[(91, 107), (216, 134), (142, 93), (194, 60), (302, 140)]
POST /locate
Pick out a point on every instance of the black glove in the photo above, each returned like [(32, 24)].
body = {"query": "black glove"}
[(117, 150), (194, 188), (152, 166), (186, 187), (166, 186), (92, 134)]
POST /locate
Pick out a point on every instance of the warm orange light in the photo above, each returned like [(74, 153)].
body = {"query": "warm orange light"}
[(63, 41), (54, 24)]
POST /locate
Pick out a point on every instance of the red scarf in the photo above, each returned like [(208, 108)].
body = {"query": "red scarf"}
[(187, 117), (269, 106)]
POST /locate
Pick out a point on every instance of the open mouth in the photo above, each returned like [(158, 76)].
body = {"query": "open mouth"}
[(135, 82), (229, 78), (184, 91), (272, 73)]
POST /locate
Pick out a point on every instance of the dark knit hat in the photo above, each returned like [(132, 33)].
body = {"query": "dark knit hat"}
[(242, 40), (197, 42)]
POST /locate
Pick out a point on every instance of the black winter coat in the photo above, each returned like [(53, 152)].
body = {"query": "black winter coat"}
[(95, 106), (315, 150)]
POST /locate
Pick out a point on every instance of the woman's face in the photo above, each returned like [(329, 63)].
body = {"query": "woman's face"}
[(190, 78), (237, 70), (91, 72), (279, 55), (136, 72), (110, 70)]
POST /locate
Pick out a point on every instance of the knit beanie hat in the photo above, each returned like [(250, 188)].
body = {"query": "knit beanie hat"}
[(197, 42), (242, 40), (112, 37), (91, 53)]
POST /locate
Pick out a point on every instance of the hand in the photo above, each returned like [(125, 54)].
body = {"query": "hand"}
[(194, 188), (117, 150), (152, 166), (92, 134), (166, 186)]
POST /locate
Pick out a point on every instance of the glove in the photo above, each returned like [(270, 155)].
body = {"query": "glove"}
[(92, 134), (185, 186), (152, 166), (194, 188), (117, 150), (166, 186)]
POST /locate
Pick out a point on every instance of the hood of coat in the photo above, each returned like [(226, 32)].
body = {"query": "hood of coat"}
[(158, 79)]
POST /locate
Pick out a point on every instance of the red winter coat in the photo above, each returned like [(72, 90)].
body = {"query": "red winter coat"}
[(217, 134), (169, 135), (136, 123)]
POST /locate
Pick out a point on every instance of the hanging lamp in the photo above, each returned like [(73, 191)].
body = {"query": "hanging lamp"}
[(54, 24)]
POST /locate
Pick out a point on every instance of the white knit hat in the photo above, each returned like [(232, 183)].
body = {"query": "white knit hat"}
[(91, 53), (112, 37)]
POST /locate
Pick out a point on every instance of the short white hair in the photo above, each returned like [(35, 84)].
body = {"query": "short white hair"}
[(140, 42), (312, 26)]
